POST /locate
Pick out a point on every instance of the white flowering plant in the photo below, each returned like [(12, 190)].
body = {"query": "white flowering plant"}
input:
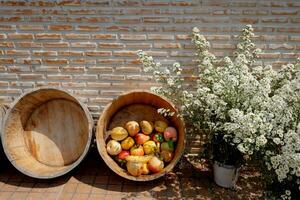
[(244, 110)]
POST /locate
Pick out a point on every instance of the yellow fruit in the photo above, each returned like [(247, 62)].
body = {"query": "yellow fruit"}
[(145, 169), (147, 127), (127, 143), (134, 168), (140, 159), (113, 147), (132, 127), (119, 133), (160, 126), (149, 147)]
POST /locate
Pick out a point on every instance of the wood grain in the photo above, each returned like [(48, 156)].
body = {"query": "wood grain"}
[(47, 132)]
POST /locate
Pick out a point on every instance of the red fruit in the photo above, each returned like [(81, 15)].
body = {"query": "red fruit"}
[(155, 165), (170, 134), (141, 138), (123, 154)]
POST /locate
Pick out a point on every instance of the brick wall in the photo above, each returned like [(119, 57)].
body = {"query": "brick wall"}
[(89, 47)]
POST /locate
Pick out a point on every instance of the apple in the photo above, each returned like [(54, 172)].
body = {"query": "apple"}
[(170, 133), (137, 151), (167, 146), (141, 138), (167, 156), (157, 137), (123, 154), (155, 165)]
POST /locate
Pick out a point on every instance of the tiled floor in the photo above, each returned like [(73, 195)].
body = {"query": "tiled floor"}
[(94, 180)]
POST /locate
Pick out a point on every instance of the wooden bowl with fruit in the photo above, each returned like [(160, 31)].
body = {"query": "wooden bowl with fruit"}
[(137, 142)]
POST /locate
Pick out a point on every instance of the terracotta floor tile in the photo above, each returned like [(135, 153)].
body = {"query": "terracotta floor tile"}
[(19, 195), (83, 188), (70, 187), (99, 189), (113, 197), (35, 196), (5, 195), (51, 196), (80, 197), (10, 187), (96, 197), (65, 196)]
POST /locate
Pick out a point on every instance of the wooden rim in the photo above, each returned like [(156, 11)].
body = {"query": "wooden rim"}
[(69, 167), (100, 133)]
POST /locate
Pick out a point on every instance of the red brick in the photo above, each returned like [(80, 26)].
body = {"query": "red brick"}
[(82, 12), (59, 77), (138, 45), (132, 37), (20, 36), (2, 36), (98, 53), (156, 19), (28, 44), (31, 27), (88, 45), (160, 37), (48, 36), (17, 52), (125, 53), (6, 60), (87, 28), (167, 45), (47, 69), (75, 36), (31, 76), (111, 45), (7, 44), (110, 61), (29, 61), (73, 69), (274, 20), (7, 27), (284, 12), (132, 20), (104, 36), (55, 61), (56, 44), (70, 53), (99, 69), (60, 27), (45, 53)]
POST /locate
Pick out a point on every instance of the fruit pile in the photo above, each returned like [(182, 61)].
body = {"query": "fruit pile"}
[(142, 148)]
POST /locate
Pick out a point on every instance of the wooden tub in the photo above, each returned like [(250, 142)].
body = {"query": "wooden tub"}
[(137, 105), (46, 133)]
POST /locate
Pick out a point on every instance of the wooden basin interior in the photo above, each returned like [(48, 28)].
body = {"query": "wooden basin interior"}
[(136, 106), (46, 132)]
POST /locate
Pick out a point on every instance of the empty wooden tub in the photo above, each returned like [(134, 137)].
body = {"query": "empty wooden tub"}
[(46, 133), (137, 106)]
